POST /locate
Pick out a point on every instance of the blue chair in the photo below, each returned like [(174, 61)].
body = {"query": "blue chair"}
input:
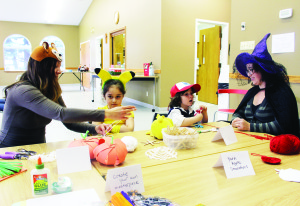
[(2, 102)]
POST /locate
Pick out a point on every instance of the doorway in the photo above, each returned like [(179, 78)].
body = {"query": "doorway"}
[(222, 74), (118, 48), (99, 45), (99, 52), (85, 60)]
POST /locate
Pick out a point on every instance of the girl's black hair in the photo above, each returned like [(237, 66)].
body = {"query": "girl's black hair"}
[(273, 79), (176, 100), (112, 82)]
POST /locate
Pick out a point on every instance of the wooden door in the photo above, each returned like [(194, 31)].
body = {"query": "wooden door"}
[(117, 51), (85, 60), (209, 57)]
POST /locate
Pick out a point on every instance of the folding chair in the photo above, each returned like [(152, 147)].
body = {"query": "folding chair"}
[(229, 91)]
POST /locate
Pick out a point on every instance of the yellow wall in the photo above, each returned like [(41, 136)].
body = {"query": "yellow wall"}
[(164, 32), (178, 38), (143, 28), (35, 33), (159, 31), (142, 20), (260, 21)]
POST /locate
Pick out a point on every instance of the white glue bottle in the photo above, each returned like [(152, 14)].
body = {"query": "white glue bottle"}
[(40, 180), (151, 69)]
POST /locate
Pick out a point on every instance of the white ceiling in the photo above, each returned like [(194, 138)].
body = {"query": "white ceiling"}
[(63, 12)]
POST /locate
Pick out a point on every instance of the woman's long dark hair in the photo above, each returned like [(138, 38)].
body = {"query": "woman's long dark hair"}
[(42, 76), (273, 79)]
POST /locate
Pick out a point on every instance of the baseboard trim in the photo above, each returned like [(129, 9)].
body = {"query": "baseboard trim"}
[(150, 106)]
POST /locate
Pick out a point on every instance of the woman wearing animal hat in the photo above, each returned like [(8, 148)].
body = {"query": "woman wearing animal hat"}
[(270, 105), (34, 100)]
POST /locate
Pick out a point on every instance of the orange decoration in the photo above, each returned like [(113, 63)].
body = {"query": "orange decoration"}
[(110, 153), (92, 142)]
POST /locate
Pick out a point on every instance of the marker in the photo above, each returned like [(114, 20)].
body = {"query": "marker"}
[(127, 197)]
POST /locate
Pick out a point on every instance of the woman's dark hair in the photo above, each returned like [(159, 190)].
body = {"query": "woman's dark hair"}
[(112, 82), (273, 79), (176, 100), (42, 76)]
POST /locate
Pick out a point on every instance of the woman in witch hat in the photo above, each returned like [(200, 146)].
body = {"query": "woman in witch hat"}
[(270, 105)]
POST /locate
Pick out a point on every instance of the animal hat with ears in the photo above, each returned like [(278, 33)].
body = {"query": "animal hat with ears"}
[(105, 76), (45, 51)]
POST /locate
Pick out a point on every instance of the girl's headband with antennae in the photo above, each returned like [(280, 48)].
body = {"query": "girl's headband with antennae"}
[(105, 76)]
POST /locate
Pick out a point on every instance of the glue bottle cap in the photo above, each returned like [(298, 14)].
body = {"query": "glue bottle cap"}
[(39, 164)]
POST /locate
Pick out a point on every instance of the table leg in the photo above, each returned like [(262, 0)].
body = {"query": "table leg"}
[(79, 79), (154, 89), (93, 83)]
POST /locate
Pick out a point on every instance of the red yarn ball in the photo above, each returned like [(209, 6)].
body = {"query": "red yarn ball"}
[(285, 144)]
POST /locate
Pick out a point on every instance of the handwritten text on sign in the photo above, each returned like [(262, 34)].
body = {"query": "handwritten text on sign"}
[(236, 164), (125, 179)]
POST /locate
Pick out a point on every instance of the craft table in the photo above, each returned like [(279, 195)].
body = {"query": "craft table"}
[(204, 147), (136, 78), (18, 188), (188, 180), (78, 77), (195, 181)]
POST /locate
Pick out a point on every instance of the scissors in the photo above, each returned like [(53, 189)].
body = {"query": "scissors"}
[(25, 152), (13, 155)]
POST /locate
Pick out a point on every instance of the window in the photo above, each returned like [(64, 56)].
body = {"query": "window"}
[(16, 50), (59, 45)]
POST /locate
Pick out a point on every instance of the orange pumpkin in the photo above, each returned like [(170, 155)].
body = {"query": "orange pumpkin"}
[(92, 142), (111, 152)]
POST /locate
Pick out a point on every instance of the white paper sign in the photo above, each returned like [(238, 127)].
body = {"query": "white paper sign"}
[(224, 77), (227, 134), (283, 43), (73, 159), (125, 179), (87, 197), (236, 164)]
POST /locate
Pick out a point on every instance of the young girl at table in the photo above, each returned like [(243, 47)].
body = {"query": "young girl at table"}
[(182, 99), (113, 90)]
